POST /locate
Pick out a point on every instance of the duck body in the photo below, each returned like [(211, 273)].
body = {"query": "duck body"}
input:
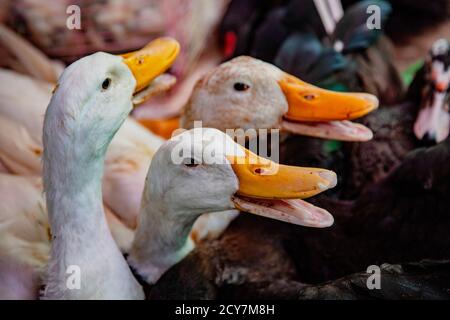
[(369, 163), (422, 119), (127, 159), (24, 237), (423, 280), (402, 218)]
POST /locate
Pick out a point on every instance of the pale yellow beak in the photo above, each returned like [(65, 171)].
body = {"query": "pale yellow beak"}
[(151, 61)]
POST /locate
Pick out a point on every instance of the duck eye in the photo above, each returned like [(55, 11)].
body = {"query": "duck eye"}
[(190, 163), (106, 83), (239, 86)]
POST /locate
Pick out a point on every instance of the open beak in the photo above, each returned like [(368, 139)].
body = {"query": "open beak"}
[(272, 190), (150, 62), (323, 113)]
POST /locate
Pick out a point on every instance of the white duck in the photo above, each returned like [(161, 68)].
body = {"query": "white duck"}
[(92, 100), (204, 170)]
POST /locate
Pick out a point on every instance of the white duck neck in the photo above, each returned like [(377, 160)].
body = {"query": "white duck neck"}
[(82, 247), (162, 239)]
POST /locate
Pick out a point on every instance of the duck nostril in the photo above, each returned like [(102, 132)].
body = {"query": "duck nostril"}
[(141, 60), (309, 97), (259, 170)]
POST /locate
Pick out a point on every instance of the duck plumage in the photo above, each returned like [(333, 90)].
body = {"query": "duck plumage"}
[(395, 127)]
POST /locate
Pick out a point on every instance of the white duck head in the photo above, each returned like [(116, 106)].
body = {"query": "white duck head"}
[(249, 93), (204, 170), (94, 95)]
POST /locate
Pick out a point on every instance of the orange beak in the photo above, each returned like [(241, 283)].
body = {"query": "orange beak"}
[(323, 113), (265, 179), (151, 61), (309, 103)]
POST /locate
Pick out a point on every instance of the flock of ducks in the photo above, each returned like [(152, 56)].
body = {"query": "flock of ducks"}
[(79, 126), (113, 202)]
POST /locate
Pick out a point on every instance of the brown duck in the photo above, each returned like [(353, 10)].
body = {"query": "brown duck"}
[(422, 119)]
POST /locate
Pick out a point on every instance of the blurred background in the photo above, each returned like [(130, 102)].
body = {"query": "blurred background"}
[(210, 31)]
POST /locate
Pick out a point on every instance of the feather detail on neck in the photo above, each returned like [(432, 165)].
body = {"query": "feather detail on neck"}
[(82, 246), (161, 241)]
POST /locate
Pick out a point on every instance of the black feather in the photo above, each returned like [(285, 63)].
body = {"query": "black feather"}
[(303, 55), (352, 29), (270, 35)]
